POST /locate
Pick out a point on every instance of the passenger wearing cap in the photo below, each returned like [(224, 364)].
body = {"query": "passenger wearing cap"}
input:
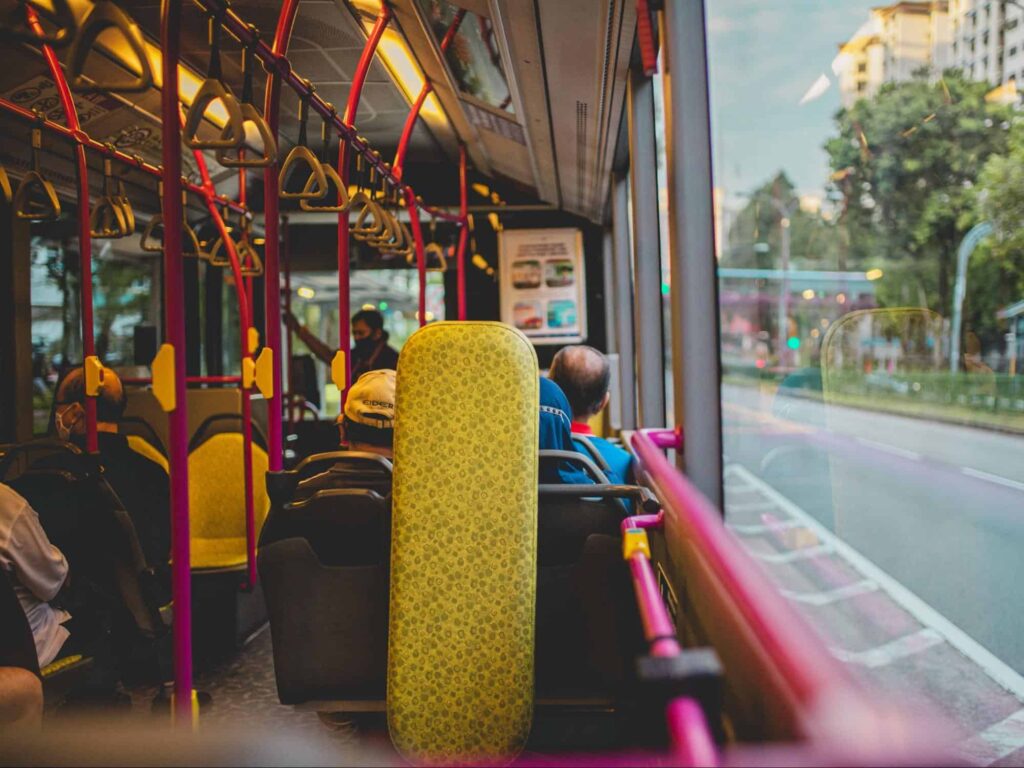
[(142, 485), (367, 425)]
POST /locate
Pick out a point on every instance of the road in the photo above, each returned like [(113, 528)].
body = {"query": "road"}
[(902, 543)]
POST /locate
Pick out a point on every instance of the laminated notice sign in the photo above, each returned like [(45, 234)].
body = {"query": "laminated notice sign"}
[(542, 284)]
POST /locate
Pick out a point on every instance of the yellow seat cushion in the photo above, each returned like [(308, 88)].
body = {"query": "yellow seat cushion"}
[(464, 539), (216, 498)]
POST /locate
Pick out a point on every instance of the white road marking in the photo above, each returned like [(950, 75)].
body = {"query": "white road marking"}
[(912, 455), (791, 556), (1015, 484), (886, 654), (752, 506), (993, 666), (995, 742), (757, 529), (832, 595)]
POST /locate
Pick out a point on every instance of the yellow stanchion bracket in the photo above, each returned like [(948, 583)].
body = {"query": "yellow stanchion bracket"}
[(93, 376), (163, 378), (254, 340), (248, 372), (635, 540), (265, 373), (338, 370), (195, 710)]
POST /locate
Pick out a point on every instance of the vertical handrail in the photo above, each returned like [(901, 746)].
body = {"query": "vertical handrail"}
[(289, 372), (692, 744), (460, 259), (421, 259), (349, 117), (174, 334), (245, 323), (84, 235), (271, 257)]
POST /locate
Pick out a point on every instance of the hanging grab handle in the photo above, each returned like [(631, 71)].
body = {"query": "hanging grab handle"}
[(250, 116), (331, 177), (315, 186), (112, 216), (214, 89), (35, 198), (190, 246), (14, 28), (6, 190), (100, 18)]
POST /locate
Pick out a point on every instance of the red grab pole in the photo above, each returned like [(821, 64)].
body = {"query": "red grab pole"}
[(421, 260), (351, 107), (460, 260), (286, 262), (84, 236), (174, 334), (271, 255)]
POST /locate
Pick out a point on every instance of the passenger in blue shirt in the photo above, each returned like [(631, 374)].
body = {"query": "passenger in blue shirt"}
[(556, 434), (584, 375)]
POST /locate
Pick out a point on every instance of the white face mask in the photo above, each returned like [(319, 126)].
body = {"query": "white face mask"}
[(66, 418)]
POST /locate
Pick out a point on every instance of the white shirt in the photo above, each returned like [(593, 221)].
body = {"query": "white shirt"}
[(37, 570)]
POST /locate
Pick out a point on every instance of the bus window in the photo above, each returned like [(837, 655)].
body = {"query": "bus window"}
[(870, 284)]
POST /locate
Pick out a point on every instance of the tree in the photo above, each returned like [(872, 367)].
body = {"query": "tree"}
[(904, 164)]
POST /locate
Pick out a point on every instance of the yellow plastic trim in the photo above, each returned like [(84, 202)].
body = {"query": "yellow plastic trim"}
[(93, 375), (635, 540), (56, 666), (163, 378), (254, 340), (195, 709), (338, 369), (265, 373), (248, 372)]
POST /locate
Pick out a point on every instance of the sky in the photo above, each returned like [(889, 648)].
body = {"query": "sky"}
[(764, 55)]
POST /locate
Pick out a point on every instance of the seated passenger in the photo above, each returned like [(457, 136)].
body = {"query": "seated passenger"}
[(367, 424), (141, 484), (556, 434), (37, 570), (584, 375)]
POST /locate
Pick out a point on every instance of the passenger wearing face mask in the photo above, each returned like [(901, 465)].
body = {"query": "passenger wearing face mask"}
[(141, 484), (370, 352)]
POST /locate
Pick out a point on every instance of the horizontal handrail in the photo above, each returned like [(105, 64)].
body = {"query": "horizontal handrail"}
[(134, 161), (247, 35), (188, 379)]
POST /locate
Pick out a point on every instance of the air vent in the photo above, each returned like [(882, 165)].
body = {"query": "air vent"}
[(581, 151)]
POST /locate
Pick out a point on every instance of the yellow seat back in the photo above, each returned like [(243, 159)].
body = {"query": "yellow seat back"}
[(145, 448), (216, 497), (464, 542)]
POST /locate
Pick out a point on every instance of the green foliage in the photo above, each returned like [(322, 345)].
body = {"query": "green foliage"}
[(905, 164)]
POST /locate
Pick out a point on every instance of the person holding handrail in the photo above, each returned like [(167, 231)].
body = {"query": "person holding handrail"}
[(371, 351)]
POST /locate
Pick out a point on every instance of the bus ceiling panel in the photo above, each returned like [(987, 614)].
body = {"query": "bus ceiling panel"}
[(587, 92)]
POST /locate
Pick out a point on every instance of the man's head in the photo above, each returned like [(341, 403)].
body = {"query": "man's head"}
[(584, 375), (368, 420), (69, 406), (367, 325)]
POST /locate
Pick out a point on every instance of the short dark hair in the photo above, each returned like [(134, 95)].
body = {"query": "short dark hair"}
[(584, 375), (363, 433), (110, 404), (373, 318)]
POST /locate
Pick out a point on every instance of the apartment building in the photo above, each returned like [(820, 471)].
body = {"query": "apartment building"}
[(988, 39), (894, 43)]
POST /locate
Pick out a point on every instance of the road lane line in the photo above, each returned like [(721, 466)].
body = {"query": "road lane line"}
[(793, 555), (995, 742), (757, 529), (992, 665), (912, 455), (752, 506), (883, 655), (832, 595), (1005, 481)]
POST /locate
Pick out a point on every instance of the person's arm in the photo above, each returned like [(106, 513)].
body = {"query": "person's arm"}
[(38, 565), (316, 346)]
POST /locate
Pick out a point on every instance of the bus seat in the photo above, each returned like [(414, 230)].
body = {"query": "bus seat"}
[(217, 500), (145, 448), (332, 549), (463, 550), (18, 649)]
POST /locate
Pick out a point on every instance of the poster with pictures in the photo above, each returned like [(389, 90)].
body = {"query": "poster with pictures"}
[(543, 290)]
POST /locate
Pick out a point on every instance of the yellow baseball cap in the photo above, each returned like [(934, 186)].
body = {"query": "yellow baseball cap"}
[(371, 400)]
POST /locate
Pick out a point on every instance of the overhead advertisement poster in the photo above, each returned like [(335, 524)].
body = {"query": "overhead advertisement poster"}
[(542, 284)]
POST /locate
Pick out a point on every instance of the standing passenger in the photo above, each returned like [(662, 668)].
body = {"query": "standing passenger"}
[(584, 375), (371, 351)]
